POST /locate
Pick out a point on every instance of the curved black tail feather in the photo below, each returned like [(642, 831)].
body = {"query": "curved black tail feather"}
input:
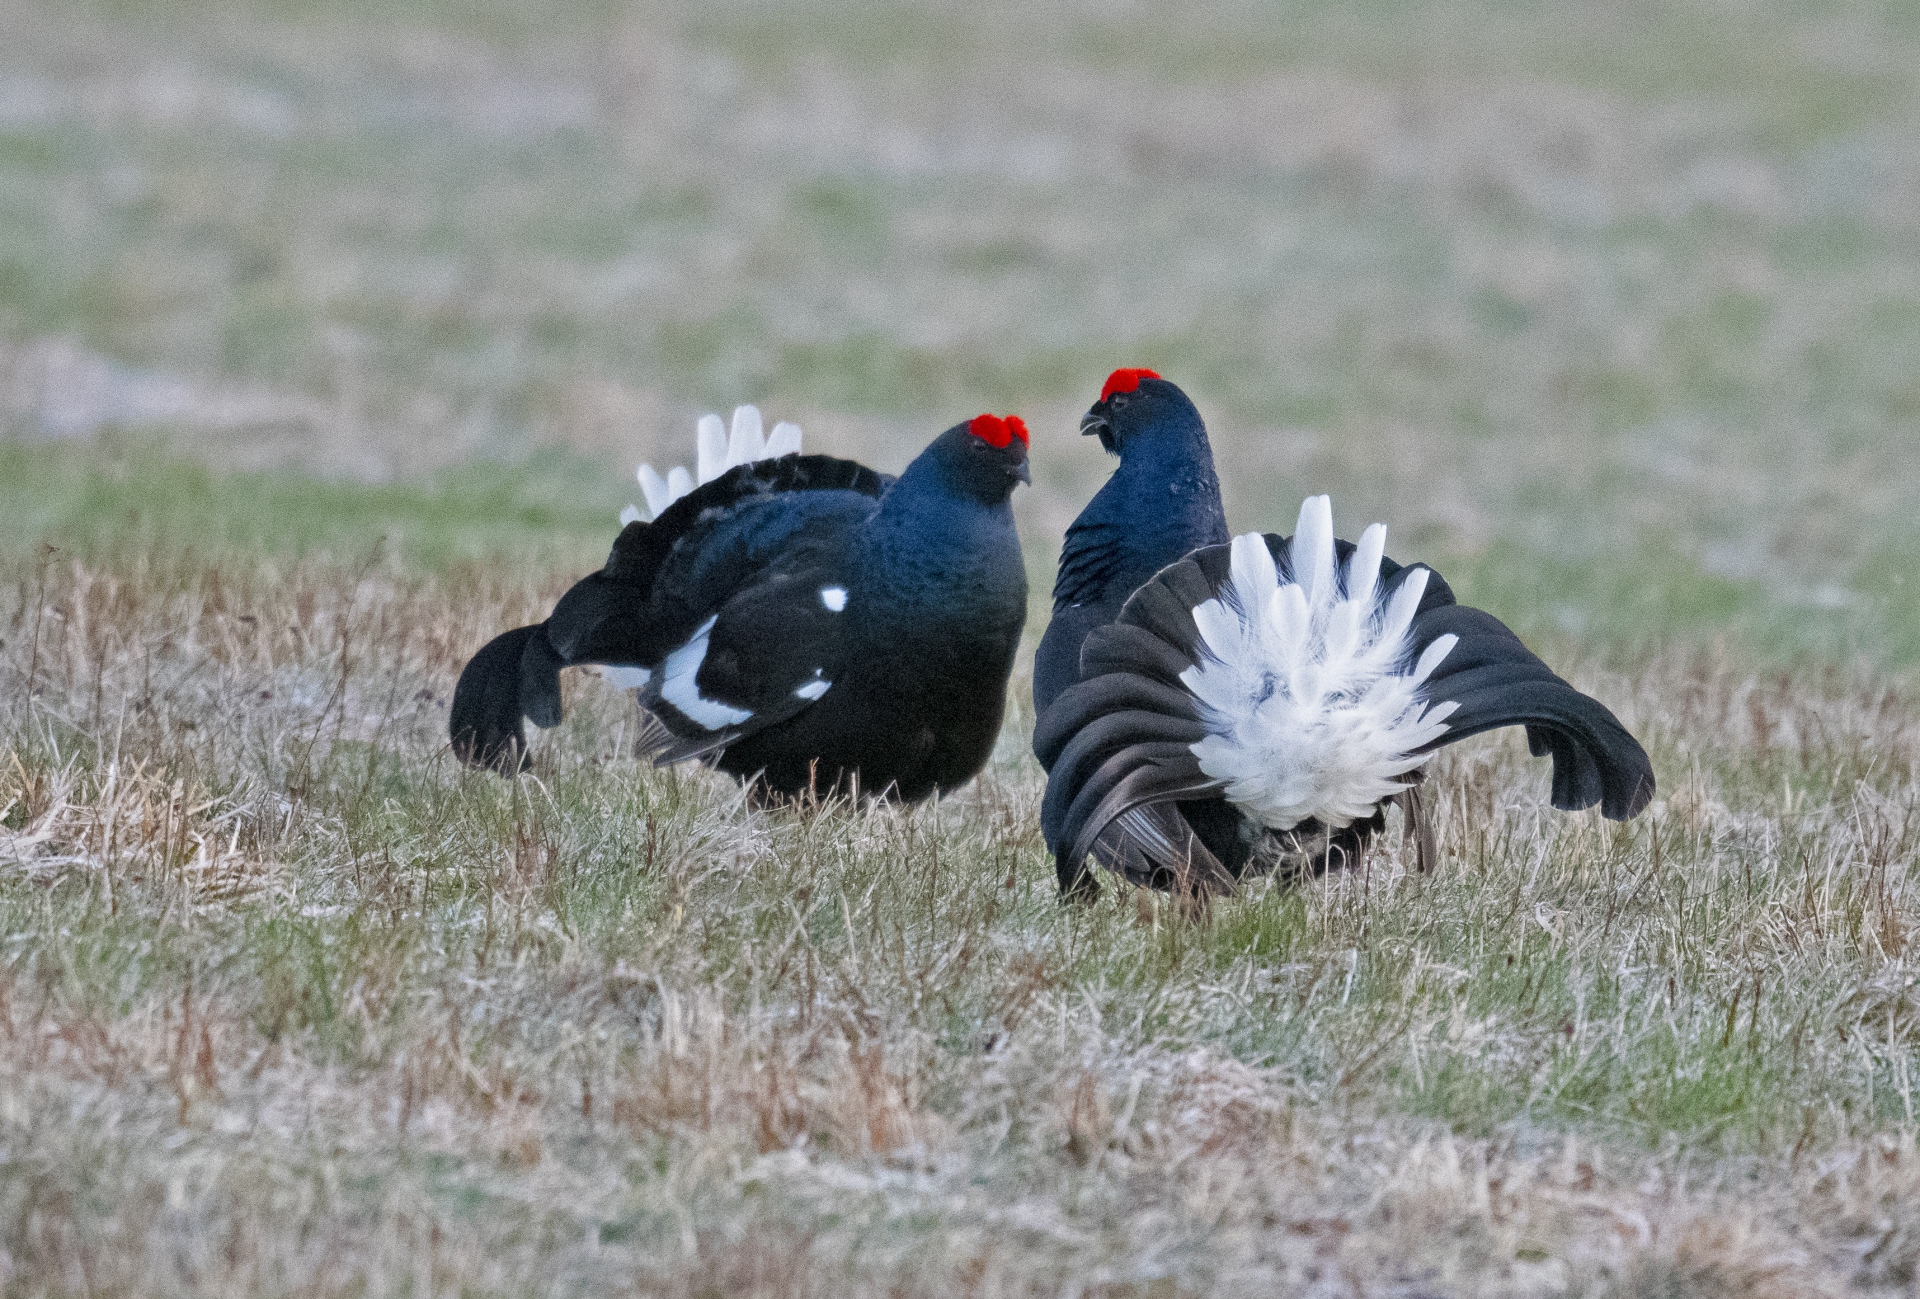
[(515, 675), (1494, 680)]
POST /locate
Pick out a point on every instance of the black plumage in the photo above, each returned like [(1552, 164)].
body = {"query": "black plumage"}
[(802, 622)]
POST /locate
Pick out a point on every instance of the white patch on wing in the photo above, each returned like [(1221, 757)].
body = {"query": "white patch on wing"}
[(1306, 687), (815, 688), (834, 597), (625, 676), (715, 452), (677, 684)]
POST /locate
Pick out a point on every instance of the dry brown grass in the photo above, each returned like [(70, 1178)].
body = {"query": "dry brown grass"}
[(291, 1004)]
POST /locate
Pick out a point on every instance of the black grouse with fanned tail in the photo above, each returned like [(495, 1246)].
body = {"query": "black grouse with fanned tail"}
[(1258, 705), (801, 621)]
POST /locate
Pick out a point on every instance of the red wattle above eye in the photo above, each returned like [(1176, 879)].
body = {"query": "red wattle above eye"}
[(997, 432), (1125, 381)]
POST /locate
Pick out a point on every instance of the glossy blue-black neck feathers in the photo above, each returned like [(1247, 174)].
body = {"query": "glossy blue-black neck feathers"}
[(944, 533), (1163, 500)]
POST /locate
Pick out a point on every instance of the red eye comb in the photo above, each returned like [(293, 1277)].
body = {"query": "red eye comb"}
[(1124, 381), (997, 432)]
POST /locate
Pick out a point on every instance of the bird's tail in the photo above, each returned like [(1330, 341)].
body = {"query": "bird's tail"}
[(715, 452), (606, 618), (1302, 680), (515, 675), (1492, 680), (1307, 676), (1119, 741)]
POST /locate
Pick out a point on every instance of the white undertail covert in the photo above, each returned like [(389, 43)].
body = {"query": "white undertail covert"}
[(1307, 685), (679, 684)]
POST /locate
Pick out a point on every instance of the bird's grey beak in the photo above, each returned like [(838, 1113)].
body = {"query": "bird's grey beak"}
[(1091, 423), (1024, 472)]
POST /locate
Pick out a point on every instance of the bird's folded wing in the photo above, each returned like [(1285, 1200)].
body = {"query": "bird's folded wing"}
[(1154, 841), (772, 651), (642, 549), (1088, 558), (664, 578)]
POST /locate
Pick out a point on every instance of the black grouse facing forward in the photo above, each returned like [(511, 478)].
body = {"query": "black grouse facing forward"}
[(1162, 502), (1256, 706), (1160, 507), (801, 621)]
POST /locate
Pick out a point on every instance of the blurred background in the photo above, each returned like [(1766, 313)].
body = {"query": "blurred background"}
[(1611, 309)]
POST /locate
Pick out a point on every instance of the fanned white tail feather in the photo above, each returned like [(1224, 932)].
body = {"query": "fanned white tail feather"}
[(715, 452), (1314, 707)]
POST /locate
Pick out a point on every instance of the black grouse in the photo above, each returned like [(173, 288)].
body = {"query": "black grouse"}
[(1162, 502), (1290, 689), (801, 621)]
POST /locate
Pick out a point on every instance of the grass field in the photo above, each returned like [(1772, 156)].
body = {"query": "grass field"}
[(328, 338)]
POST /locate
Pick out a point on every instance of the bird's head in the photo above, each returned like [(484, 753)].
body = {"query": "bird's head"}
[(984, 457), (1134, 401)]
